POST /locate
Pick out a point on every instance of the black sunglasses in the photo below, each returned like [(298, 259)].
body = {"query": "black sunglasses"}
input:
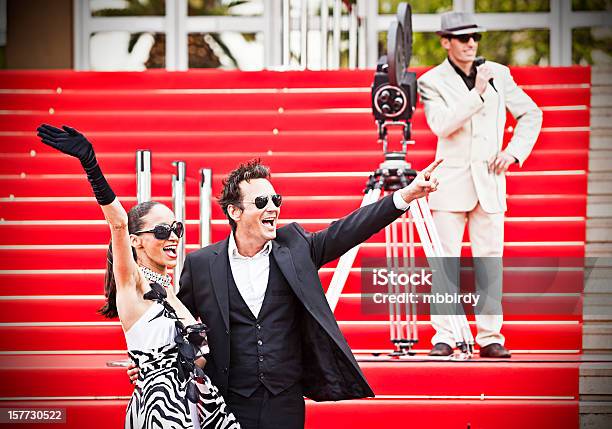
[(163, 230), (262, 201), (464, 38)]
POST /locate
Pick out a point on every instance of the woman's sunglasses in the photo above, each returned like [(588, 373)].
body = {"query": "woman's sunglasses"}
[(163, 230), (464, 38), (262, 201)]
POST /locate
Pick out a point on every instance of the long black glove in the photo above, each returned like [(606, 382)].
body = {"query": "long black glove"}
[(73, 143)]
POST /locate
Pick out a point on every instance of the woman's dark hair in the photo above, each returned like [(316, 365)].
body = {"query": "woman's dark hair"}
[(230, 194), (135, 223)]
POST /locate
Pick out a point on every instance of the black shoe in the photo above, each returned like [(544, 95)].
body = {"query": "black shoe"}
[(441, 349), (495, 351)]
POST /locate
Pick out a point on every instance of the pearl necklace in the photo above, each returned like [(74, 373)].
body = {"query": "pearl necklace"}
[(153, 277)]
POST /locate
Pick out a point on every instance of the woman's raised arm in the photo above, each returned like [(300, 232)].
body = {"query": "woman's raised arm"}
[(73, 143)]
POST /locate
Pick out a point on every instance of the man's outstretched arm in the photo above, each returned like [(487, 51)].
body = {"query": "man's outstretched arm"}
[(357, 227)]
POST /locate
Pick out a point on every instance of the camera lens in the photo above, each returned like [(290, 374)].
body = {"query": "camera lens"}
[(384, 96), (398, 103), (386, 108)]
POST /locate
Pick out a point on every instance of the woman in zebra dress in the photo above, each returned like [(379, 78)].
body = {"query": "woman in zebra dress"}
[(163, 338)]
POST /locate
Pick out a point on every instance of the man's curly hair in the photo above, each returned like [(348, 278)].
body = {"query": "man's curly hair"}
[(230, 194)]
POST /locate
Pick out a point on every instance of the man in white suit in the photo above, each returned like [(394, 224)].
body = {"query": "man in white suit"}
[(465, 105)]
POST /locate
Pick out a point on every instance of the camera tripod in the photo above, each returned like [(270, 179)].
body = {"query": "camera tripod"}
[(393, 174)]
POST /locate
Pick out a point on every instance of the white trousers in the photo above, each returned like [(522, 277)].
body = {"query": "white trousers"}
[(486, 231)]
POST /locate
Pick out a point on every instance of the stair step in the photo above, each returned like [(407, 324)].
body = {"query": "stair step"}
[(598, 250), (597, 337), (72, 375), (264, 141), (90, 283), (601, 75), (359, 414), (601, 139), (599, 230), (78, 308), (571, 182), (295, 207), (601, 96), (291, 161), (88, 257), (532, 307), (596, 414), (600, 183), (519, 336), (598, 281), (552, 336), (599, 160), (600, 118), (596, 379), (598, 206), (531, 229), (421, 414), (266, 99), (158, 79), (250, 120)]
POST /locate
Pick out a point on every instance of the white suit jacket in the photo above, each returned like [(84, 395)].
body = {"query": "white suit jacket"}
[(470, 132)]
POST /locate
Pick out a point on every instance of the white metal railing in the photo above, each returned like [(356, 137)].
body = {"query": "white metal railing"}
[(205, 206), (313, 18), (178, 206), (179, 197), (143, 176), (286, 31), (290, 29)]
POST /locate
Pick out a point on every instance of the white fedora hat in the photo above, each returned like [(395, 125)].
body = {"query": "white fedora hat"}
[(457, 23)]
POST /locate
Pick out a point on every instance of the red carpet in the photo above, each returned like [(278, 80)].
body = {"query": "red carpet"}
[(316, 132)]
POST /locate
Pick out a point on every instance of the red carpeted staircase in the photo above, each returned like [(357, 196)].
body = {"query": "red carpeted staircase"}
[(316, 132)]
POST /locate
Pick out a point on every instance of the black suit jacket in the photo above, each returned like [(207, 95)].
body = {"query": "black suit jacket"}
[(330, 371)]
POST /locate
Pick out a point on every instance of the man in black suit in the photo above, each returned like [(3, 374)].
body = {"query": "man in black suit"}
[(272, 335)]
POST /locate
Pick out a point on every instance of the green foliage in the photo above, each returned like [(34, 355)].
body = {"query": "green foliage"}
[(158, 8), (418, 6), (212, 7), (506, 47), (512, 5), (584, 43), (426, 49), (516, 47), (136, 8), (591, 4)]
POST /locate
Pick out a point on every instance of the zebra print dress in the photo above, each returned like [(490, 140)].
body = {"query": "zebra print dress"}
[(170, 393)]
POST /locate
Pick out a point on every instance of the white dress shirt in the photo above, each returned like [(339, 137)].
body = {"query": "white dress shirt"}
[(251, 273), (399, 202)]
